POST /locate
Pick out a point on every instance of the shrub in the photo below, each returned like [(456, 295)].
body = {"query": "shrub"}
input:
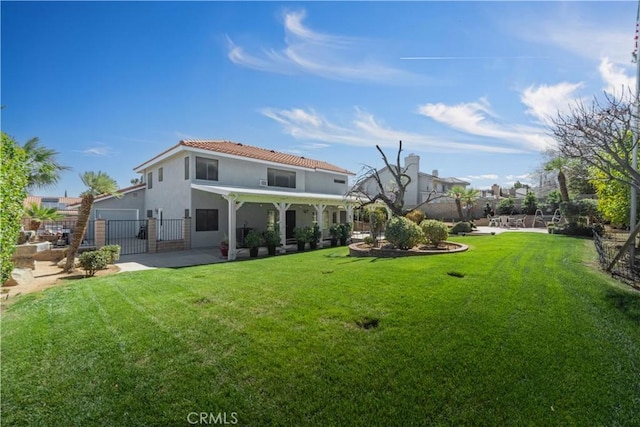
[(271, 237), (530, 203), (303, 234), (13, 176), (462, 227), (506, 206), (112, 253), (403, 233), (345, 231), (416, 216), (434, 231), (368, 240), (93, 261), (253, 239)]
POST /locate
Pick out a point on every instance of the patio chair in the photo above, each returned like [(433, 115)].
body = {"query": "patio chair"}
[(504, 221), (493, 221), (519, 222)]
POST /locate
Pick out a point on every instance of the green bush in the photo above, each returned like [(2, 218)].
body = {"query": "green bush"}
[(13, 176), (368, 240), (462, 227), (112, 252), (93, 261), (303, 234), (271, 237), (506, 206), (253, 239), (434, 231), (403, 233)]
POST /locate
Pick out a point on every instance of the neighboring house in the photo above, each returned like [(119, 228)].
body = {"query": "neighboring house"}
[(228, 188), (64, 205), (421, 186), (129, 206)]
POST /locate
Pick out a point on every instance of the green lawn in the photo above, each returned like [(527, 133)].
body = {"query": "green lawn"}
[(530, 335)]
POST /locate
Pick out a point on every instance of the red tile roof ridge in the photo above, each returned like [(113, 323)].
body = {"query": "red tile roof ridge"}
[(259, 153)]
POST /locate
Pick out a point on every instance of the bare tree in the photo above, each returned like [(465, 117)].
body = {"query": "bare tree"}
[(392, 195), (601, 136)]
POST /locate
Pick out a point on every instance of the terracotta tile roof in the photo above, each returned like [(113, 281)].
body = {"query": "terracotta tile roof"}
[(68, 201), (243, 150)]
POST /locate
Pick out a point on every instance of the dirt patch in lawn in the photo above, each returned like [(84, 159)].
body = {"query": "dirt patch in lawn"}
[(46, 275)]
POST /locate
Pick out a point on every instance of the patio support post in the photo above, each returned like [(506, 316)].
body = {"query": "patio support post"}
[(350, 216), (282, 216), (319, 213), (233, 208)]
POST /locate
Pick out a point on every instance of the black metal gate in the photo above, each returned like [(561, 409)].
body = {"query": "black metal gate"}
[(130, 234)]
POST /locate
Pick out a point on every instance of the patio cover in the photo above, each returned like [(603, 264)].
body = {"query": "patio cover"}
[(282, 200)]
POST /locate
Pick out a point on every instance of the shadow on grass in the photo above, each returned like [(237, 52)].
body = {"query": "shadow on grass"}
[(627, 302)]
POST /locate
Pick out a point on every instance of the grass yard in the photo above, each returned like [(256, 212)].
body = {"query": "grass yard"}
[(519, 330)]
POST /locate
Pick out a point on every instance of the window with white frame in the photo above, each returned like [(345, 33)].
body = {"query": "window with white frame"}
[(186, 167), (150, 180), (206, 169), (160, 174), (281, 178)]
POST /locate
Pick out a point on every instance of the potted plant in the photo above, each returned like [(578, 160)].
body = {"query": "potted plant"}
[(315, 236), (224, 247), (302, 235), (272, 240), (345, 233), (253, 240), (335, 231)]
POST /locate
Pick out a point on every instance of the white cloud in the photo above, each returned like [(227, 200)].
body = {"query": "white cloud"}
[(365, 130), (616, 81), (545, 101), (586, 38), (98, 151), (489, 176), (475, 118), (324, 55)]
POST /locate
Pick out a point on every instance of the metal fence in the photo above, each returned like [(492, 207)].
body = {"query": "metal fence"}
[(129, 234), (608, 246), (169, 229)]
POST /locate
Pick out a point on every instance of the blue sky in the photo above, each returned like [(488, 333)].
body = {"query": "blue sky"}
[(468, 86)]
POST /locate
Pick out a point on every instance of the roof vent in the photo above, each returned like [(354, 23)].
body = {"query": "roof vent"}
[(240, 144), (272, 151)]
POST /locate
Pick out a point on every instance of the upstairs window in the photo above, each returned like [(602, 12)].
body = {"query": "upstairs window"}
[(186, 168), (150, 180), (340, 181), (206, 169), (280, 178), (160, 174)]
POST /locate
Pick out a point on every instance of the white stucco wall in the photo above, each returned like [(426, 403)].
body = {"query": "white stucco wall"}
[(172, 195), (133, 201)]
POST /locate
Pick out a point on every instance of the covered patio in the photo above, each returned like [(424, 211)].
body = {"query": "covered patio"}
[(236, 197)]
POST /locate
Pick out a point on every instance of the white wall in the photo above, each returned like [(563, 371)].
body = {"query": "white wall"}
[(172, 195)]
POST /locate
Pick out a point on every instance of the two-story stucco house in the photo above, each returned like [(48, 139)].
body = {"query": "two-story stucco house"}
[(228, 188), (421, 186)]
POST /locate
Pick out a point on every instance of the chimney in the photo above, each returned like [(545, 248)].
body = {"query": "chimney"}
[(435, 173)]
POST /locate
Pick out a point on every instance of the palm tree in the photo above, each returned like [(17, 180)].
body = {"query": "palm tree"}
[(469, 197), (97, 184), (559, 164), (44, 169), (456, 192), (38, 214)]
